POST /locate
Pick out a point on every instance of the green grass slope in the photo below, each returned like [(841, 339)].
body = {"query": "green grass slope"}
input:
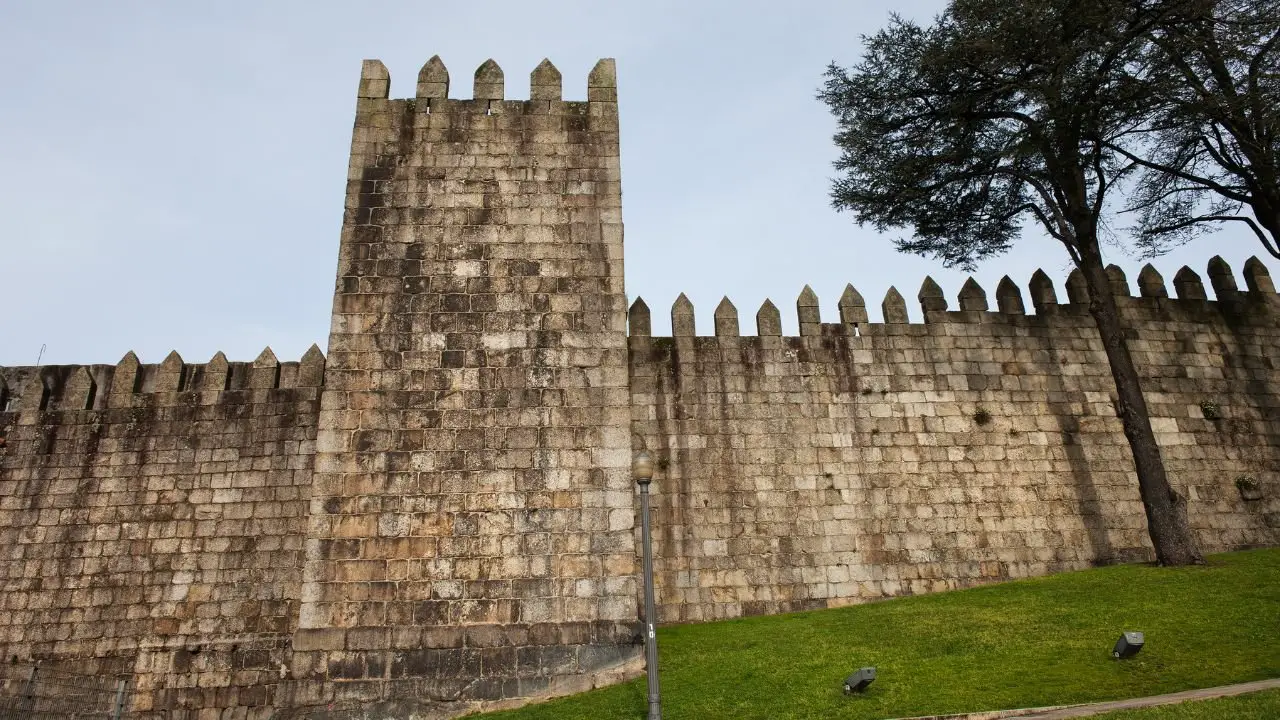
[(1044, 641)]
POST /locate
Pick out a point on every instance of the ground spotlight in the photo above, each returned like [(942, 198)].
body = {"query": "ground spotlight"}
[(859, 681), (1127, 646)]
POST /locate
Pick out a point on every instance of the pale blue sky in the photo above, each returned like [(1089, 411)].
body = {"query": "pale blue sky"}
[(171, 174)]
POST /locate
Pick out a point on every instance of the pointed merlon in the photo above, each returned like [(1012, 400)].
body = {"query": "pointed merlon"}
[(1077, 288), (1221, 277), (488, 81), (1151, 283), (375, 81), (853, 309), (1119, 282), (972, 296), (1256, 276), (894, 306), (265, 373), (78, 392), (311, 368), (216, 373), (124, 381), (768, 320), (931, 297), (726, 318), (602, 83), (1009, 297), (1188, 286), (1042, 293), (545, 82), (169, 374), (638, 320), (35, 396), (808, 312), (682, 317), (433, 80)]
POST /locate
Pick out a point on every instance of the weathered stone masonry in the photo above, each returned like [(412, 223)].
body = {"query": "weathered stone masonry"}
[(152, 521), (472, 505), (863, 460), (440, 513)]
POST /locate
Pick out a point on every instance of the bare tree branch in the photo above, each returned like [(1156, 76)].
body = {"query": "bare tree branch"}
[(1174, 171)]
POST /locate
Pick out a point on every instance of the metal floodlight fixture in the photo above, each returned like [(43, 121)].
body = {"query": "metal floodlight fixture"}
[(859, 681), (1128, 645)]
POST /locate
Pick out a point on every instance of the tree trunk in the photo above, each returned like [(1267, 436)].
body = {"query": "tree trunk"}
[(1166, 510)]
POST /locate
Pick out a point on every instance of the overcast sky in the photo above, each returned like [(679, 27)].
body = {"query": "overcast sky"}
[(172, 174)]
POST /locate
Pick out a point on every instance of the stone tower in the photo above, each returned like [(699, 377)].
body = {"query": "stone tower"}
[(471, 525)]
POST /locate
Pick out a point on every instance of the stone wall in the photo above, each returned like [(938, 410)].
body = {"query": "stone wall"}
[(152, 520), (440, 516), (470, 534), (863, 460)]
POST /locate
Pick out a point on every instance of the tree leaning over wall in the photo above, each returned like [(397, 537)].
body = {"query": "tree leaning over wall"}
[(1000, 112)]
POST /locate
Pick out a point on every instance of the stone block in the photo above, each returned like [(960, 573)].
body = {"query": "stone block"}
[(305, 640)]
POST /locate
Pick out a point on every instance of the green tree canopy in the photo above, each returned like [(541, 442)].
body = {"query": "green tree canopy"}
[(1209, 152)]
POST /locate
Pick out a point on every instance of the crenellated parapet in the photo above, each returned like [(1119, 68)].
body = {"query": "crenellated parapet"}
[(423, 164), (973, 306), (130, 383), (856, 460), (488, 94), (176, 493)]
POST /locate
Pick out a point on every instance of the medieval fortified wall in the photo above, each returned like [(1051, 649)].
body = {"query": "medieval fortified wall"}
[(439, 514)]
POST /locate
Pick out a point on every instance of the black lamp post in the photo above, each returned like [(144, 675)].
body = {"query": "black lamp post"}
[(642, 469)]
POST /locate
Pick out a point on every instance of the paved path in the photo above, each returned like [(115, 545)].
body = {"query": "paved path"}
[(1090, 709)]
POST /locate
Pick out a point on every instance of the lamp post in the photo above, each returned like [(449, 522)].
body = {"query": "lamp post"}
[(642, 469)]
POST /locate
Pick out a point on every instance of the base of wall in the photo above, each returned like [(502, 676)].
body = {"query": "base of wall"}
[(620, 672), (628, 666)]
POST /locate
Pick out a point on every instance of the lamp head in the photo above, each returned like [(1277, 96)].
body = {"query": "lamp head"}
[(642, 468), (859, 681), (1129, 644)]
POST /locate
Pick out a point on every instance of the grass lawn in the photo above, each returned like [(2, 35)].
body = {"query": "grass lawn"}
[(1254, 706), (1044, 641)]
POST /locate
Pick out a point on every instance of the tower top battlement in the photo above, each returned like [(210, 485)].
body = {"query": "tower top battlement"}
[(489, 82)]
